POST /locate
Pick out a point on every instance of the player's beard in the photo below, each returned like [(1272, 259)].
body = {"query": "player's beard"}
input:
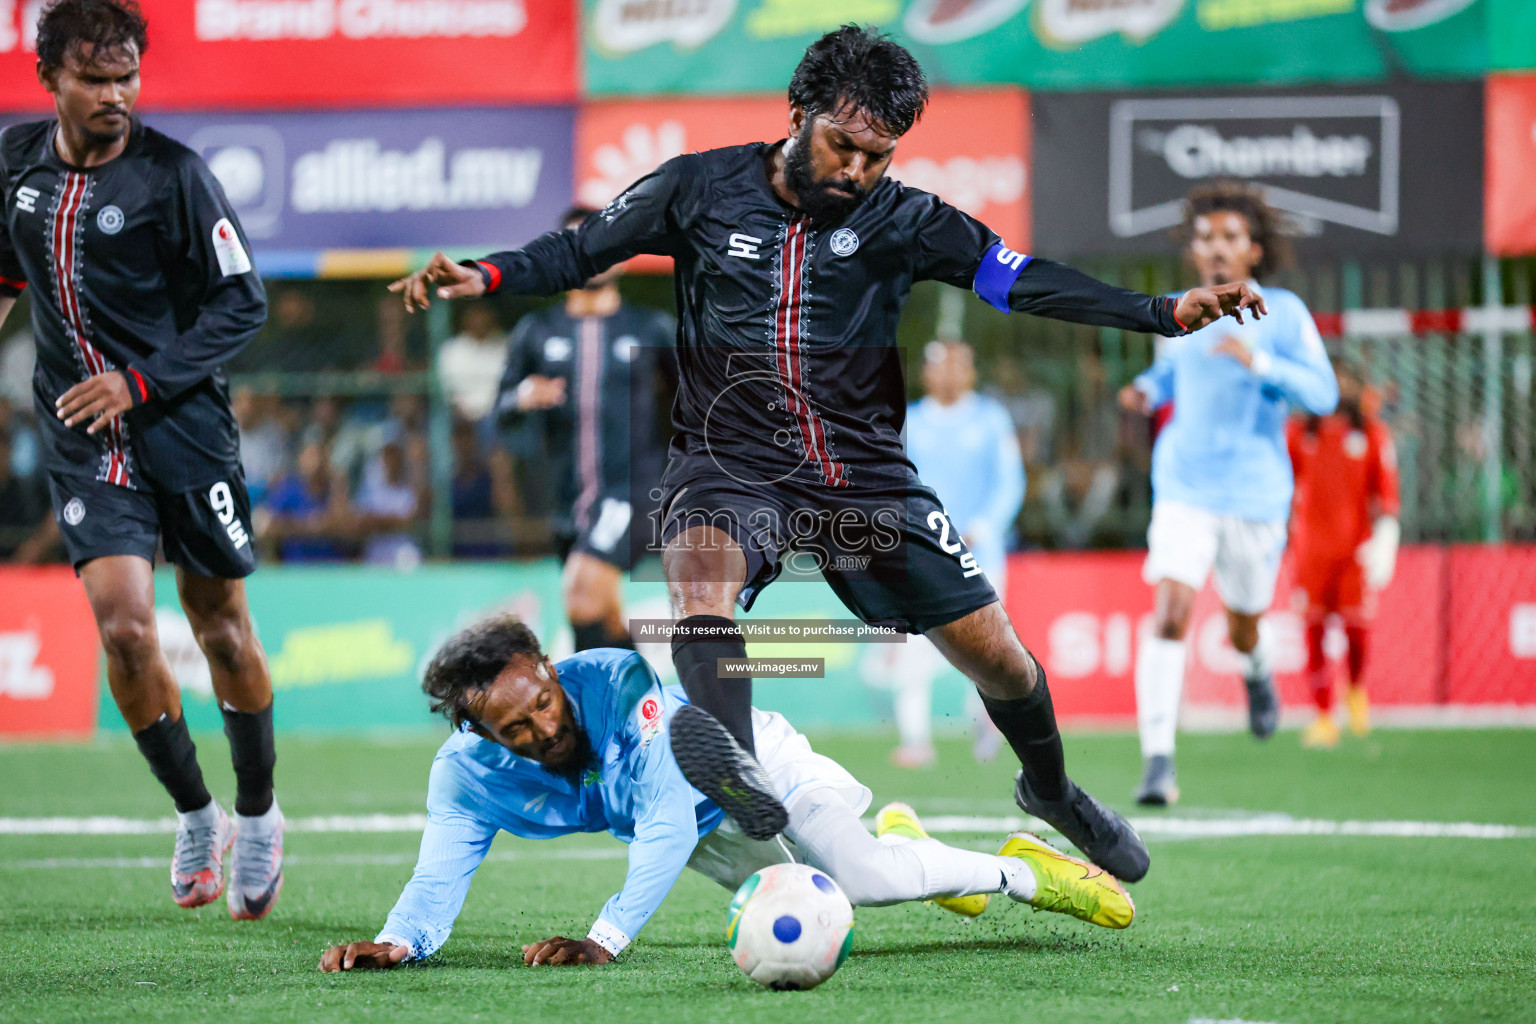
[(818, 199), (581, 755)]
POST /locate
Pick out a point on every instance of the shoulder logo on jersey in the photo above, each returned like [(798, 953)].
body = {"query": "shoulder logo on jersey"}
[(745, 246), (74, 511), (1355, 444), (535, 804), (227, 247), (557, 349), (26, 199), (110, 220), (625, 348), (650, 719), (844, 242)]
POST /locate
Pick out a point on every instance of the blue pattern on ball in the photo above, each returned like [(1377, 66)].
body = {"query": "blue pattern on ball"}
[(786, 929), (823, 883)]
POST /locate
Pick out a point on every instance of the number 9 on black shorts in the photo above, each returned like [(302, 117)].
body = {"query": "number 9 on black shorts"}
[(206, 531)]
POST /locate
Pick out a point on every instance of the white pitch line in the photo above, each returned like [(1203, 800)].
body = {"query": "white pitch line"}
[(1155, 826), (332, 860)]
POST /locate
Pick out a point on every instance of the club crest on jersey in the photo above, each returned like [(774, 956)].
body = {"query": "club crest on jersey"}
[(844, 242), (74, 511), (110, 220), (227, 247)]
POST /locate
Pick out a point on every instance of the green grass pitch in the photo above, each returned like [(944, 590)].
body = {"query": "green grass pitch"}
[(1278, 928)]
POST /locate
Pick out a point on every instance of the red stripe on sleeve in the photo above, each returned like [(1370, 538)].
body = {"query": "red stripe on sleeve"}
[(143, 388), (493, 272), (11, 282)]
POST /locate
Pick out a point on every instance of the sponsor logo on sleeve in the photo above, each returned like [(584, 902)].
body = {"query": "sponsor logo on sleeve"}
[(227, 247), (74, 511), (649, 714)]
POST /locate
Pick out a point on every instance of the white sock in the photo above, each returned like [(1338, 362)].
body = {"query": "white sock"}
[(202, 817), (1019, 881), (1257, 662), (1159, 684), (261, 822)]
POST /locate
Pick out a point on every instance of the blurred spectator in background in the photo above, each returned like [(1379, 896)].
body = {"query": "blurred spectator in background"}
[(305, 514), (477, 500), (1077, 495), (393, 348), (469, 364), (28, 532), (264, 441), (293, 339), (388, 501), (964, 447), (347, 439), (18, 356), (1032, 409)]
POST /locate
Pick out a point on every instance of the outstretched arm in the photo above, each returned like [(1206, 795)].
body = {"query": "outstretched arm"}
[(452, 847), (642, 220)]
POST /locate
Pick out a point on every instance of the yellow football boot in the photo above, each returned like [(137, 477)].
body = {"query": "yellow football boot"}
[(1322, 734), (899, 819), (1067, 885), (1359, 710)]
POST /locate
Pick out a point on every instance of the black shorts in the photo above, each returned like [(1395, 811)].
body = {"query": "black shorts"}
[(206, 531), (610, 535), (888, 551)]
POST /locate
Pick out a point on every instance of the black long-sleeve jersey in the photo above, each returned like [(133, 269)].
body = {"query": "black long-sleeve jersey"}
[(604, 436), (137, 265), (786, 334)]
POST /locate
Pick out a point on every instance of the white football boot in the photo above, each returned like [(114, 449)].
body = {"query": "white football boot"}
[(256, 865)]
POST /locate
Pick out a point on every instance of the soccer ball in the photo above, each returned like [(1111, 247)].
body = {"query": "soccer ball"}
[(791, 927)]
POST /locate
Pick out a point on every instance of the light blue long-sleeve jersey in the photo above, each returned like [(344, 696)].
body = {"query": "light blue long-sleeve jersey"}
[(1224, 449), (632, 789), (969, 454)]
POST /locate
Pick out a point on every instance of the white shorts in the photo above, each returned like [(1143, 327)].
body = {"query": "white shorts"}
[(726, 855), (1184, 543)]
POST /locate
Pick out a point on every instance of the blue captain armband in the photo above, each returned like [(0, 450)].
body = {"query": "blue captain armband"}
[(1000, 267)]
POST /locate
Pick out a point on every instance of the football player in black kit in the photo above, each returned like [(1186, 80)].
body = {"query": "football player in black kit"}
[(589, 370), (141, 287), (793, 262)]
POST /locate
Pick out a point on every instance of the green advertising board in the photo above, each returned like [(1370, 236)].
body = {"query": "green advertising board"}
[(751, 46), (346, 645)]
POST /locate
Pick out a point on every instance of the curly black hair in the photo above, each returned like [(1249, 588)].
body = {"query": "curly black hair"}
[(1266, 226), (471, 659), (105, 25), (862, 67)]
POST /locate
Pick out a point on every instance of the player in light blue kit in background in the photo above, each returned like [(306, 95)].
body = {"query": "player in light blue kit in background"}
[(542, 750), (964, 447), (1221, 475)]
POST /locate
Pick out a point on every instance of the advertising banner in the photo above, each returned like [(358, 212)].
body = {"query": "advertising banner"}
[(1492, 642), (1388, 170), (1511, 166), (369, 179), (633, 48), (48, 655), (1086, 615), (971, 148), (221, 54)]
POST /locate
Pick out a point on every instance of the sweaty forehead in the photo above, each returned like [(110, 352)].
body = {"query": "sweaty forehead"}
[(856, 123)]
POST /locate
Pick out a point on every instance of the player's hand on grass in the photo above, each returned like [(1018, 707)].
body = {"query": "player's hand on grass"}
[(560, 951), (1200, 306), (1230, 346), (100, 399), (363, 956), (1135, 400), (451, 281)]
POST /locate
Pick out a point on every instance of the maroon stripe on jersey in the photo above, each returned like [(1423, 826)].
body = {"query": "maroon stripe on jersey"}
[(66, 258), (788, 330)]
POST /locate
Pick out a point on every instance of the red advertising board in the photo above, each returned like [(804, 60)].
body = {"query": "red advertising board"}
[(48, 655), (1509, 210), (972, 148), (243, 54), (1455, 624)]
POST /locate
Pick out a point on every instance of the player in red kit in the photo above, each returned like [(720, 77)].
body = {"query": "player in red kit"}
[(1344, 535)]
